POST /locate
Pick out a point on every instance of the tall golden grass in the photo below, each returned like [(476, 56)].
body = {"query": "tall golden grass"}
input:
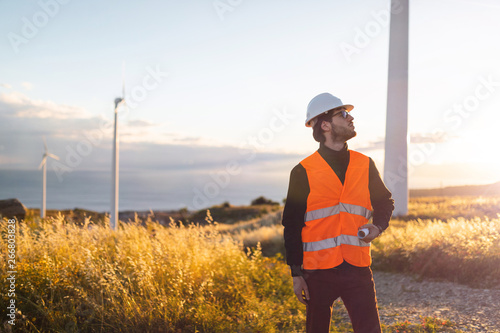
[(266, 231), (451, 238), (460, 250), (184, 278), (444, 208), (146, 279)]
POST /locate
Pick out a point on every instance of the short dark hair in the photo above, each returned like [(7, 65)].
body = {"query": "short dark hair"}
[(317, 131)]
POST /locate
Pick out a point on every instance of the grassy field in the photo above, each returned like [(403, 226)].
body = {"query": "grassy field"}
[(460, 250), (146, 279), (447, 238), (444, 208), (184, 278)]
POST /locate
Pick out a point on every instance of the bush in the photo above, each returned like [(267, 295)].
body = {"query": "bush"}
[(263, 201)]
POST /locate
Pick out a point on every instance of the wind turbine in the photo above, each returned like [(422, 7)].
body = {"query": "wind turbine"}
[(113, 221), (396, 129), (44, 173)]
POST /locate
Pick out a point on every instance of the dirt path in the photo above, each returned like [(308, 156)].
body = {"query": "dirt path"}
[(401, 298)]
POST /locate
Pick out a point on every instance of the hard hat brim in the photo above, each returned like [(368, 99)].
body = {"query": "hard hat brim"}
[(310, 122)]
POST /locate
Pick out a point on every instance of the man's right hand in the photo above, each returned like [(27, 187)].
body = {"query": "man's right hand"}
[(300, 289)]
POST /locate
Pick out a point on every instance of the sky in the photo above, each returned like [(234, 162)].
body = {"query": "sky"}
[(212, 85)]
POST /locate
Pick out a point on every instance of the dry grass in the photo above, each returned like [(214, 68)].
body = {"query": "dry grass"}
[(444, 208), (146, 279), (461, 250), (266, 231), (455, 238), (149, 278)]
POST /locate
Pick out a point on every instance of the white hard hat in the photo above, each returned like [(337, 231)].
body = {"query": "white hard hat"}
[(322, 103)]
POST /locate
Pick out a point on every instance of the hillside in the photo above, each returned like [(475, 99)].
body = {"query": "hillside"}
[(224, 213), (466, 190)]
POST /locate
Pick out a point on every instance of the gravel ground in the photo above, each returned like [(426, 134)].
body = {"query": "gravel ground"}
[(401, 297)]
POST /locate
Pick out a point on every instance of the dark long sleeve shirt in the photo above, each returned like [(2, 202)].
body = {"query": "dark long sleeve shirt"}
[(298, 191)]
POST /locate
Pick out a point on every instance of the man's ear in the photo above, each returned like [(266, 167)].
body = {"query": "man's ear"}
[(326, 126)]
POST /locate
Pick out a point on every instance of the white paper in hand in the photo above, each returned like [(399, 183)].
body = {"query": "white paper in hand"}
[(362, 233)]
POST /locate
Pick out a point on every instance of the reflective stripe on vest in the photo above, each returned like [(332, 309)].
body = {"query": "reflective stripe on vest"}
[(334, 212), (333, 242)]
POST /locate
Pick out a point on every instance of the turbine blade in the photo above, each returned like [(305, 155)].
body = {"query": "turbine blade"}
[(53, 156), (45, 143), (44, 159)]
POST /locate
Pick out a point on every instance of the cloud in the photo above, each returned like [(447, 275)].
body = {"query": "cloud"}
[(19, 105), (415, 138), (5, 85), (440, 137), (84, 142), (188, 139), (194, 157), (372, 146), (140, 123), (27, 85), (9, 159), (22, 116)]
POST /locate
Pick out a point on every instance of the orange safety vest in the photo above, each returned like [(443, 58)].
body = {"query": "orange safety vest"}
[(335, 212)]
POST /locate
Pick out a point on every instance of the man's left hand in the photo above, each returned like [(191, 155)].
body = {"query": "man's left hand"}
[(374, 232)]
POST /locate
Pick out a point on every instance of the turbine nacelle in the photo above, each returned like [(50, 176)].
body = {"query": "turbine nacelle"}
[(118, 100), (46, 154)]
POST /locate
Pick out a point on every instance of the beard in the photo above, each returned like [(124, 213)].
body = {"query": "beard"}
[(342, 134)]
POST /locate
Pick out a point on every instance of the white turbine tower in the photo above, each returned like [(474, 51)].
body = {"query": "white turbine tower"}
[(113, 221), (43, 165), (396, 132)]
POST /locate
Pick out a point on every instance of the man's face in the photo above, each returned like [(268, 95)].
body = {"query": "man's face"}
[(342, 128)]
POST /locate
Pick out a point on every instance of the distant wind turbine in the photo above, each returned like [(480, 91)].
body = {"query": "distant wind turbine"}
[(113, 221), (44, 173), (396, 129)]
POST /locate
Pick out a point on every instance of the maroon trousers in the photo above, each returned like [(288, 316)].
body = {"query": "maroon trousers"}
[(354, 285)]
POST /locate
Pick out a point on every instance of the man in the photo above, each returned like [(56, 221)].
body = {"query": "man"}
[(331, 196)]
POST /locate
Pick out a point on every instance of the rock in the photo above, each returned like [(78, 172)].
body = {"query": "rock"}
[(11, 208)]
